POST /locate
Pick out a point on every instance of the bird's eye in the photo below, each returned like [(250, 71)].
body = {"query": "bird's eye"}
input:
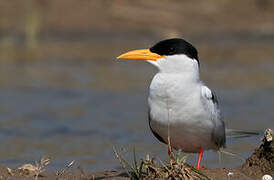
[(171, 50)]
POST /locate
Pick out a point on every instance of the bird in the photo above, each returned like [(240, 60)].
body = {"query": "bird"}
[(183, 112)]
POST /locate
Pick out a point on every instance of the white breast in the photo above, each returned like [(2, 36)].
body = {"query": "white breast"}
[(175, 101)]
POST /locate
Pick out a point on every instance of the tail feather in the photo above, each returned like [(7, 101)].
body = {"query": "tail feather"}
[(230, 154), (236, 133)]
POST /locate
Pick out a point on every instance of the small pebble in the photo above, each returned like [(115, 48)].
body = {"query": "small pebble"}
[(266, 177)]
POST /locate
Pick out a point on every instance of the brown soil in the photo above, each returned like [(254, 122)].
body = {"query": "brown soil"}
[(261, 162)]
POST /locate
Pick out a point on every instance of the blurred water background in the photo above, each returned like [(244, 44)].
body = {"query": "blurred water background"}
[(63, 93)]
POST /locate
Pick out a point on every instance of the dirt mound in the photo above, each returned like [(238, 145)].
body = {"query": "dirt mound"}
[(261, 162)]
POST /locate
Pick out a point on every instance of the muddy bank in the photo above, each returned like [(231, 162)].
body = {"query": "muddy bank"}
[(262, 160), (260, 163)]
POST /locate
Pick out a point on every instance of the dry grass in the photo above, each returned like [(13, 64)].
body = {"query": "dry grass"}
[(36, 170), (30, 170), (60, 173), (151, 169)]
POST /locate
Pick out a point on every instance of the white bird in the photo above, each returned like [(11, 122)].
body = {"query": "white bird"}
[(182, 110)]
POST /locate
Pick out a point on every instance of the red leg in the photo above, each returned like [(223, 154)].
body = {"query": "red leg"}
[(170, 153), (200, 158)]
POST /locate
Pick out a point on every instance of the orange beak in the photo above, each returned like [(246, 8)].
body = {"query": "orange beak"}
[(143, 54)]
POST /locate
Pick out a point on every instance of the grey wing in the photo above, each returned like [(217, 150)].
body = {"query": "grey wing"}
[(218, 133)]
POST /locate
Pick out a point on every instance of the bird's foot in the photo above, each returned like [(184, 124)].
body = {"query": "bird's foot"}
[(200, 168)]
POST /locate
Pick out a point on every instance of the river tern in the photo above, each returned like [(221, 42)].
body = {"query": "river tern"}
[(183, 111)]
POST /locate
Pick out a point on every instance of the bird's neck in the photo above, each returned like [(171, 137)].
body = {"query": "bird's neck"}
[(173, 87), (189, 76), (176, 83), (179, 65)]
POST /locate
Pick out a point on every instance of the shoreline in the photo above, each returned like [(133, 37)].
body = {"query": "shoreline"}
[(260, 163)]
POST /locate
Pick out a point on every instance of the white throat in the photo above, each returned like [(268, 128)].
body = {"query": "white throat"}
[(180, 65)]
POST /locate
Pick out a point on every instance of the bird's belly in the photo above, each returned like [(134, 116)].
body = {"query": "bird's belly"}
[(185, 134), (186, 122)]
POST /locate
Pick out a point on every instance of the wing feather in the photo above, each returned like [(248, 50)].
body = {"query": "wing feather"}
[(218, 134)]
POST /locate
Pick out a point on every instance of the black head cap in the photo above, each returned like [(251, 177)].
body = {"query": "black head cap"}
[(175, 46)]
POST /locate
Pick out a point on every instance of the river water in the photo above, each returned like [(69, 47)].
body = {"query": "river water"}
[(79, 108)]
